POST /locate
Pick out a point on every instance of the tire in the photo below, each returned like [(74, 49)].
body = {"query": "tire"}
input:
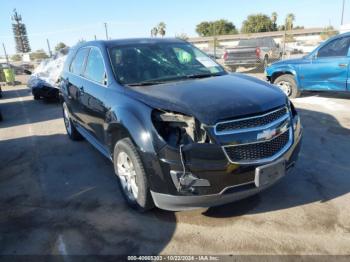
[(72, 132), (36, 97), (1, 117), (288, 85), (134, 184), (233, 68), (265, 62)]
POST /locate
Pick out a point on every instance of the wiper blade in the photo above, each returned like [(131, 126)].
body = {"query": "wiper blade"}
[(147, 83), (203, 75)]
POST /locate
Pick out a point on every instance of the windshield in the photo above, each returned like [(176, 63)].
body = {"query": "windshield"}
[(161, 62)]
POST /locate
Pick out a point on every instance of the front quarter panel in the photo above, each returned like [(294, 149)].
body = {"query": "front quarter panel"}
[(282, 68), (131, 117)]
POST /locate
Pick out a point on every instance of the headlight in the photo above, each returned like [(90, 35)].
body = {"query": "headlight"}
[(178, 129), (296, 118)]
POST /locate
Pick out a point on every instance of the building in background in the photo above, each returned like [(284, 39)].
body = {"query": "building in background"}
[(20, 34), (344, 28)]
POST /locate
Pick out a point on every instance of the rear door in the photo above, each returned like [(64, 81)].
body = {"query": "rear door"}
[(74, 83), (328, 70), (94, 110)]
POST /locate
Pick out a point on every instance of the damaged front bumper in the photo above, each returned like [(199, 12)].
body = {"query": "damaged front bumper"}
[(215, 181)]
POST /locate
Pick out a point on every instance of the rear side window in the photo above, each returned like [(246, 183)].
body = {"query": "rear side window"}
[(77, 64), (95, 69), (338, 47)]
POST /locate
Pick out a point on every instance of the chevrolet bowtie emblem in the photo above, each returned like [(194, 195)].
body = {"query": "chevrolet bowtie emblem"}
[(266, 134)]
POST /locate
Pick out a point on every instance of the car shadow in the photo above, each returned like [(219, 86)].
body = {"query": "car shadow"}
[(15, 92), (32, 110), (58, 193), (320, 175), (326, 94)]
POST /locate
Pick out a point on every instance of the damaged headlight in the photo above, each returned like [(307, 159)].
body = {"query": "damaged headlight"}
[(178, 129), (296, 118)]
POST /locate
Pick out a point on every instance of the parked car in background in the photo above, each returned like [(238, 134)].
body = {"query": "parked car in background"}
[(324, 69), (44, 82), (252, 52), (181, 131), (301, 47)]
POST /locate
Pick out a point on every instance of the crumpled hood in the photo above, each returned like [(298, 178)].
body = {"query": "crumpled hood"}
[(212, 99)]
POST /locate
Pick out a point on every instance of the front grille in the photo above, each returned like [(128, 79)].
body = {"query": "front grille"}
[(251, 122), (257, 151)]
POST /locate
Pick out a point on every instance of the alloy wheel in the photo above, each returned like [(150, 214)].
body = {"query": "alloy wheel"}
[(286, 87), (127, 175)]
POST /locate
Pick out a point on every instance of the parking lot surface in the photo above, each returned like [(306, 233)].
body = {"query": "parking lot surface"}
[(62, 197)]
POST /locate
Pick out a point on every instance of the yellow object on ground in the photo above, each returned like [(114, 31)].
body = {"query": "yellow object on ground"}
[(9, 75)]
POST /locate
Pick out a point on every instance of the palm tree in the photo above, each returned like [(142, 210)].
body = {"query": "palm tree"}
[(289, 21), (154, 32), (274, 16), (161, 28)]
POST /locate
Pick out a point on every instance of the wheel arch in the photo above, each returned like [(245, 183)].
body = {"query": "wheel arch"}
[(127, 123), (285, 71)]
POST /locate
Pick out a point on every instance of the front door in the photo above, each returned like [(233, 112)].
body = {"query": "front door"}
[(328, 69)]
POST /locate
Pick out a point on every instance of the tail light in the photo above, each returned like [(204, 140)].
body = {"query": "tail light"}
[(257, 52), (225, 56)]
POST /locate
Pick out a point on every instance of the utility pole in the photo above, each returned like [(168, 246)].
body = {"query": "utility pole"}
[(106, 29), (48, 46), (342, 13), (284, 39), (6, 56), (214, 37)]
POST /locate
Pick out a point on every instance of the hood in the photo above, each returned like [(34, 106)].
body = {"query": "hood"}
[(212, 99), (289, 62)]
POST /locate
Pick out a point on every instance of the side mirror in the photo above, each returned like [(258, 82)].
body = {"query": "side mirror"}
[(105, 79)]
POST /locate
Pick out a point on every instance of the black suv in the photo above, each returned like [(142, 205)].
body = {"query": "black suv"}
[(181, 131)]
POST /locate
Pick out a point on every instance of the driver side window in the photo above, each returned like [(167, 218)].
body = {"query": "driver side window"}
[(338, 47)]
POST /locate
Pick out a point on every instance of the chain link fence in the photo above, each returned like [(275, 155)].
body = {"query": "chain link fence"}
[(255, 60)]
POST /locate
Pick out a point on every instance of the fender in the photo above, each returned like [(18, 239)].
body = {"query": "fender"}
[(283, 69), (122, 122)]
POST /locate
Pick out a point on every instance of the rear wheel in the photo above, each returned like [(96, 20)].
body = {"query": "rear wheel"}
[(132, 176), (36, 97), (265, 62), (233, 68), (288, 85), (72, 132)]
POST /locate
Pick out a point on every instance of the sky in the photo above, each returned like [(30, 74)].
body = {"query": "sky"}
[(71, 20)]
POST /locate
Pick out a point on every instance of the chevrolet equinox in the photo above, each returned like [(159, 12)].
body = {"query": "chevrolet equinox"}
[(181, 132)]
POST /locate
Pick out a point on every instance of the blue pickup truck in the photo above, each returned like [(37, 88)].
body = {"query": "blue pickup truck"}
[(324, 69)]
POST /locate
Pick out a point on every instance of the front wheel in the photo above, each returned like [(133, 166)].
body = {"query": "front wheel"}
[(288, 85), (132, 176), (265, 62)]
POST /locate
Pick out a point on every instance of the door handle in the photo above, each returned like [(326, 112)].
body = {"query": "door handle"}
[(343, 65)]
